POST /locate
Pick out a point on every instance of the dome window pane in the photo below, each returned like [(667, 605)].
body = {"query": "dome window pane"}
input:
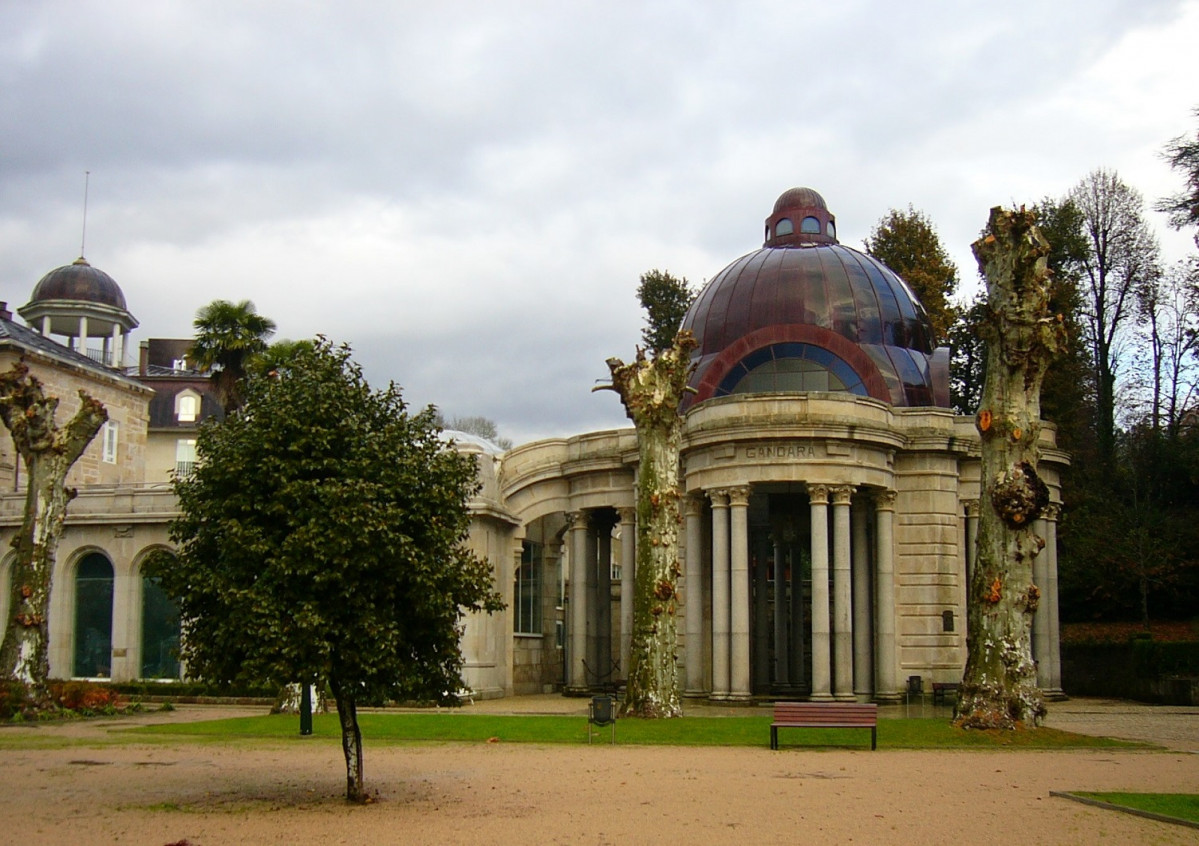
[(791, 368), (784, 227), (810, 226), (831, 229)]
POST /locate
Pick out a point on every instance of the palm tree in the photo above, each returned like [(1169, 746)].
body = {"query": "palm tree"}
[(228, 336)]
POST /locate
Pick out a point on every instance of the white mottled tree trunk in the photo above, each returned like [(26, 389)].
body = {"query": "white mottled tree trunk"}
[(999, 688), (651, 390), (48, 453)]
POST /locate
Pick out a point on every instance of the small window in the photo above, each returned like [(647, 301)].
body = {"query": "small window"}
[(185, 456), (784, 227), (810, 226), (831, 229), (187, 406), (111, 431)]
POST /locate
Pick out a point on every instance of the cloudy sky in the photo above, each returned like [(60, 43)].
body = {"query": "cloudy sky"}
[(467, 192)]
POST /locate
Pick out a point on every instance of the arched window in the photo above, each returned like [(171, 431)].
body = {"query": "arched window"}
[(784, 227), (160, 633), (187, 407), (832, 229), (93, 617), (810, 226), (791, 368)]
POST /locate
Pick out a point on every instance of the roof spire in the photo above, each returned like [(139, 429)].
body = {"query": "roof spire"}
[(83, 238)]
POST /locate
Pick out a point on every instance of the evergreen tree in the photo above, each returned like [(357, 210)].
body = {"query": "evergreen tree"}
[(908, 243)]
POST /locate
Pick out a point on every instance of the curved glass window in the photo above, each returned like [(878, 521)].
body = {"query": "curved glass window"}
[(160, 633), (791, 368), (93, 617), (810, 226), (784, 227), (831, 229)]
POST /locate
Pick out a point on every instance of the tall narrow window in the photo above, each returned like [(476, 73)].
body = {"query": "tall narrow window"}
[(527, 594), (185, 456), (93, 617), (111, 430), (160, 633)]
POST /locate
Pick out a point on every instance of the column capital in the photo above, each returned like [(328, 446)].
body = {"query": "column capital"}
[(842, 494), (692, 506), (1052, 512), (628, 514), (885, 500), (719, 497), (577, 519), (739, 496), (818, 494), (972, 506)]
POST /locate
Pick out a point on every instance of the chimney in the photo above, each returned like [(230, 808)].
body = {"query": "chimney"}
[(5, 314)]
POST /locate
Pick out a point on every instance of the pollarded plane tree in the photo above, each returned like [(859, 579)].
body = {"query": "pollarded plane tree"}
[(999, 688), (651, 389), (48, 452)]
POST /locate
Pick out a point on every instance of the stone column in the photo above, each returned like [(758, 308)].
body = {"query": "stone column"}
[(971, 541), (591, 676), (1052, 513), (885, 665), (628, 582), (118, 348), (863, 665), (721, 566), (82, 342), (842, 597), (821, 636), (739, 681), (603, 607), (576, 679), (1040, 619), (693, 605)]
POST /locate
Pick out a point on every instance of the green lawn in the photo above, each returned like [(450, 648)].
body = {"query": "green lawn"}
[(1183, 806), (688, 731)]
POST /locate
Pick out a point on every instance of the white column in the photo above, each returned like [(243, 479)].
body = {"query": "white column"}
[(863, 669), (721, 566), (693, 606), (1040, 618), (577, 635), (971, 541), (628, 565), (842, 597), (739, 681), (591, 676), (117, 347), (46, 325), (1055, 631), (885, 665), (821, 670), (603, 591), (82, 342)]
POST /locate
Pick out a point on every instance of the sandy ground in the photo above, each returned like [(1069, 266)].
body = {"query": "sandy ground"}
[(95, 792)]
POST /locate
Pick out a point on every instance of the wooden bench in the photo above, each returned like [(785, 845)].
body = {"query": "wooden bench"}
[(943, 690), (824, 715)]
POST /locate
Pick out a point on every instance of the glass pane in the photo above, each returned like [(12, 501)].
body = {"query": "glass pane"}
[(160, 633), (93, 617)]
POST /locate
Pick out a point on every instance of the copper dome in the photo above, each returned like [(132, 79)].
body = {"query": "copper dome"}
[(806, 311), (79, 282)]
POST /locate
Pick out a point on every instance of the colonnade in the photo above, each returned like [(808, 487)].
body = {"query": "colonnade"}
[(852, 633), (590, 658)]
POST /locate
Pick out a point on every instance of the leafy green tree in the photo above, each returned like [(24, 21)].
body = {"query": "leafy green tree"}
[(1183, 155), (323, 536), (968, 359), (228, 336), (665, 298), (908, 243)]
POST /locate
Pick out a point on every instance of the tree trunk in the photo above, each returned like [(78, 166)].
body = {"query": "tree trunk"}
[(48, 453), (351, 742), (651, 390), (999, 689)]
